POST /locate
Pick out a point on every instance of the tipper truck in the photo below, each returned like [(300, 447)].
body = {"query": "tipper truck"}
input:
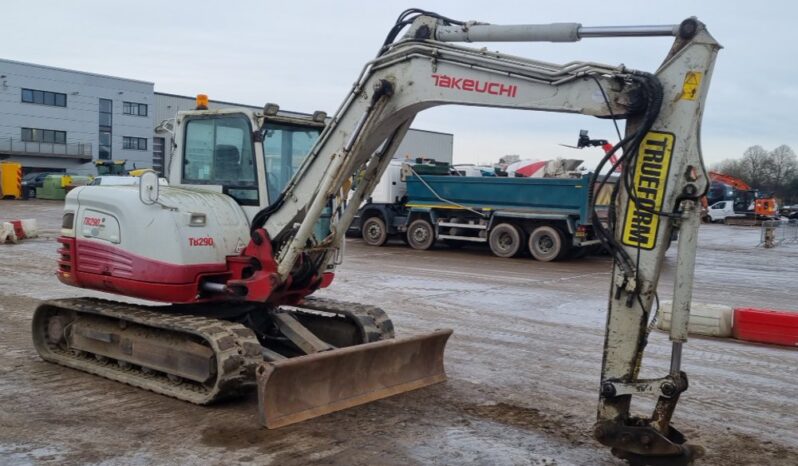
[(548, 217)]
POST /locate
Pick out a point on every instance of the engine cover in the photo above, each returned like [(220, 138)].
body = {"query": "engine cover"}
[(161, 252)]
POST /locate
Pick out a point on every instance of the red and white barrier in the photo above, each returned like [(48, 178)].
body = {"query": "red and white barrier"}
[(743, 323), (16, 230), (766, 326)]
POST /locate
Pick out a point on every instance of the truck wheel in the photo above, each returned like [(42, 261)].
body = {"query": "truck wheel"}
[(420, 234), (374, 231), (505, 240), (547, 244)]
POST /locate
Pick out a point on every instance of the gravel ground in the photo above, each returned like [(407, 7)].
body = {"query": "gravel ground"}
[(523, 367)]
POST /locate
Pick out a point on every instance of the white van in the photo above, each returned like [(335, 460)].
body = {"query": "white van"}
[(719, 211)]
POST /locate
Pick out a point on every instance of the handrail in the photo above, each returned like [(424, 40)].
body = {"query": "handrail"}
[(14, 146)]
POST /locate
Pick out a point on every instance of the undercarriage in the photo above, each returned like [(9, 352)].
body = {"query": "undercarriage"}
[(202, 353)]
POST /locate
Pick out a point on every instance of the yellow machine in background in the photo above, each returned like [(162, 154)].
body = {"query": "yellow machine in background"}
[(10, 180), (140, 171), (117, 168), (110, 167)]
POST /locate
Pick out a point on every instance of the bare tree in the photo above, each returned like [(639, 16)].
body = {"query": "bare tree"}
[(731, 167), (755, 164), (782, 166)]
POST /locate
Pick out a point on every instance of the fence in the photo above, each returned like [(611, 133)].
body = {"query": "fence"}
[(777, 232)]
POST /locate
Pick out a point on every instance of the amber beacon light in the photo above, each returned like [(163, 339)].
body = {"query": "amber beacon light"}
[(202, 102)]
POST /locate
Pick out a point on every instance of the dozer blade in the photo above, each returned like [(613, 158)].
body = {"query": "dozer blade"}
[(304, 387)]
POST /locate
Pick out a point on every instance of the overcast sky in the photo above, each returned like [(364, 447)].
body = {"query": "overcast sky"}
[(304, 55)]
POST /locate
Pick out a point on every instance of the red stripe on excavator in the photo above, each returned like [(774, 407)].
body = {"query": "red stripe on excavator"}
[(94, 265), (163, 292), (104, 259)]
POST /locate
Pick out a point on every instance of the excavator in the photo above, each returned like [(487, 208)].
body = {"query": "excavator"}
[(258, 203), (745, 205)]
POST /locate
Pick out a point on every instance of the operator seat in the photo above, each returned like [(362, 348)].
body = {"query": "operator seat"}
[(226, 163)]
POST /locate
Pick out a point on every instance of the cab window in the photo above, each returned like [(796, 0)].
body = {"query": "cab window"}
[(284, 149), (219, 151)]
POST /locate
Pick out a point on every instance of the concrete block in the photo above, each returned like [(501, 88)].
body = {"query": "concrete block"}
[(30, 227), (7, 233), (714, 320)]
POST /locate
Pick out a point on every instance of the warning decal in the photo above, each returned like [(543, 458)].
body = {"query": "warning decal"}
[(650, 178), (692, 81)]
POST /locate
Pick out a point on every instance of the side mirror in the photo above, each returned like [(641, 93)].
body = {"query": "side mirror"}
[(148, 188)]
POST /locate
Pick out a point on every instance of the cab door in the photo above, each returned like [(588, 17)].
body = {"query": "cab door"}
[(216, 151)]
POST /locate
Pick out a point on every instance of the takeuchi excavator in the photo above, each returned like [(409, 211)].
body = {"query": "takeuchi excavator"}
[(258, 203)]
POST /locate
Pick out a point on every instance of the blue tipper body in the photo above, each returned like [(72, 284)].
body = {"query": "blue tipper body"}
[(545, 196)]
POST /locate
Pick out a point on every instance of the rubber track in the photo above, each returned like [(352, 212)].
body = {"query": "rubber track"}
[(236, 348), (375, 322)]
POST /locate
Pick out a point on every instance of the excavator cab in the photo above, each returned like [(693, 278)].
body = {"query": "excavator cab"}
[(249, 156)]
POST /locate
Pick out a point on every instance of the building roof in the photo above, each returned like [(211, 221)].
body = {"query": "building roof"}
[(67, 70)]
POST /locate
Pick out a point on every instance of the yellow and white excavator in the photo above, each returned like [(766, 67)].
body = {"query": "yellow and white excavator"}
[(253, 222)]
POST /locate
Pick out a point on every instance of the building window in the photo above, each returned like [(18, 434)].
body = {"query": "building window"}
[(106, 123), (43, 135), (134, 143), (105, 145), (132, 108), (106, 114), (54, 99)]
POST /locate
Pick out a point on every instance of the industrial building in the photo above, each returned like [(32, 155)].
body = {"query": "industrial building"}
[(55, 119)]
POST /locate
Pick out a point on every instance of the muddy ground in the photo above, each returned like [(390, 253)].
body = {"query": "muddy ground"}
[(523, 367)]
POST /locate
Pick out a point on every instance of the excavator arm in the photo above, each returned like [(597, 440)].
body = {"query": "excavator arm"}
[(658, 192)]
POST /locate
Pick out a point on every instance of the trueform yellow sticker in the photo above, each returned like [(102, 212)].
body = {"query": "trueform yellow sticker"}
[(692, 81), (650, 179)]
